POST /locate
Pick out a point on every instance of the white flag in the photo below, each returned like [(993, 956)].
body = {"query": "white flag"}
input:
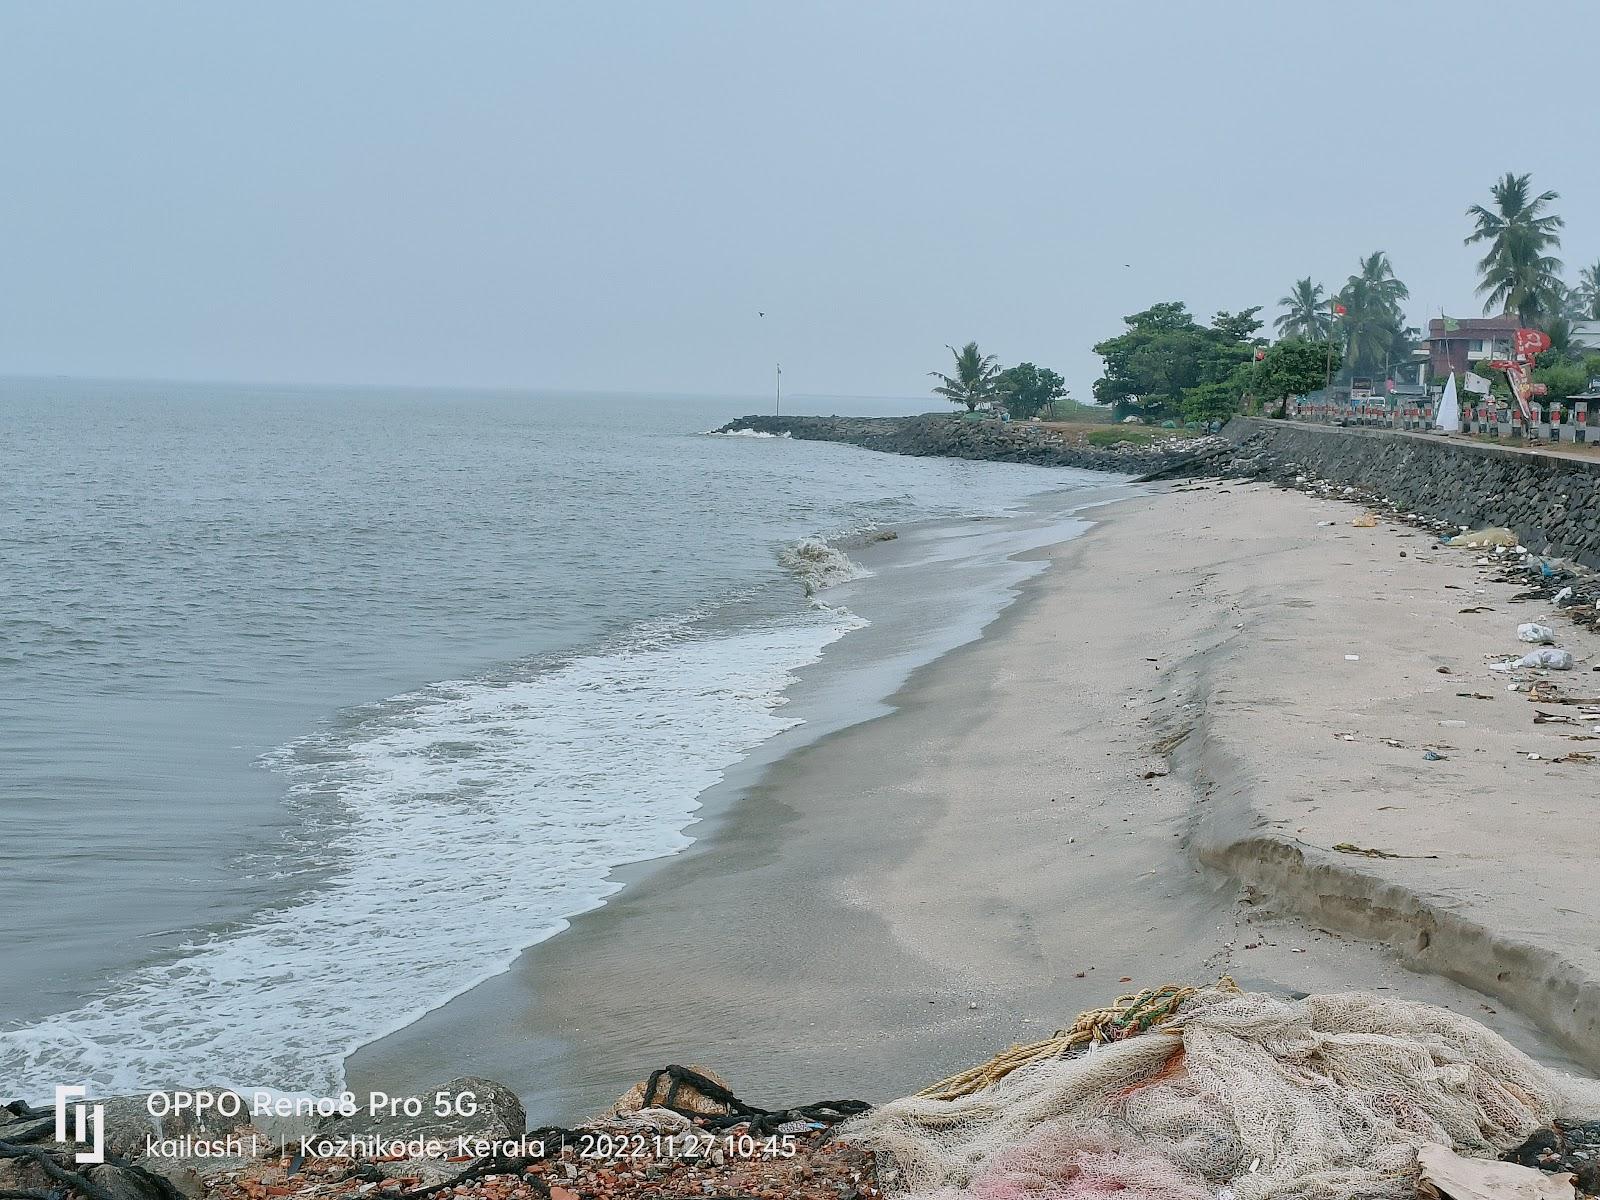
[(1476, 383), (1448, 415)]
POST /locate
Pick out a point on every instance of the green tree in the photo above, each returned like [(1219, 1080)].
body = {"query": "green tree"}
[(1372, 320), (1027, 390), (1518, 275), (1292, 367), (1307, 313), (1220, 399), (1164, 352), (974, 380), (1587, 293)]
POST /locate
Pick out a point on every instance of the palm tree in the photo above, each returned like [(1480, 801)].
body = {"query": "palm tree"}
[(1588, 292), (974, 380), (1373, 320), (1307, 313), (1518, 276)]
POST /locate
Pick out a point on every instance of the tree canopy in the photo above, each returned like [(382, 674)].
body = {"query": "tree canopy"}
[(1291, 367), (1518, 275), (1164, 353), (1373, 326), (1027, 390), (1587, 293), (1308, 313), (974, 380)]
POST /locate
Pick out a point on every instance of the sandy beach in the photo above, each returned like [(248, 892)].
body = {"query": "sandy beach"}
[(1137, 775)]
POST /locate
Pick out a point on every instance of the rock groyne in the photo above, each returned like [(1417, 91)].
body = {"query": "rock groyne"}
[(951, 435)]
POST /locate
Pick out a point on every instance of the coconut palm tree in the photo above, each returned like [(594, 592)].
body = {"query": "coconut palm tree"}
[(974, 380), (1518, 275), (1588, 292), (1307, 313), (1373, 320)]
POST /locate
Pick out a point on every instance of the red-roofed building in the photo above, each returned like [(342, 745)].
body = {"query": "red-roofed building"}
[(1463, 345)]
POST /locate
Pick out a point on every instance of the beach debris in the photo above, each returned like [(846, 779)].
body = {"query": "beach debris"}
[(1452, 724), (1481, 539), (1574, 1148), (1539, 635), (1127, 1017), (1561, 597), (1226, 1063), (1475, 695), (696, 1090), (1365, 521), (1374, 852), (1477, 608), (1550, 658), (1433, 756), (1352, 658), (1544, 718), (1446, 1175), (1576, 757)]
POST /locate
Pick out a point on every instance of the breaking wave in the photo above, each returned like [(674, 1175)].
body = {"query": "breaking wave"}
[(745, 433), (819, 565), (452, 828)]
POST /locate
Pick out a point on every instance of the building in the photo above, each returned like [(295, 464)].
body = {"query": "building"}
[(1466, 344), (1586, 334)]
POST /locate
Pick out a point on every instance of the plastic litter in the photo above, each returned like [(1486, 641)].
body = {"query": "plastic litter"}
[(1550, 657), (1446, 1173), (1564, 594), (1476, 539), (1539, 635)]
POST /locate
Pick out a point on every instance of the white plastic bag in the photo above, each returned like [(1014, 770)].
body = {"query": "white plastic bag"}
[(1539, 635), (1551, 657)]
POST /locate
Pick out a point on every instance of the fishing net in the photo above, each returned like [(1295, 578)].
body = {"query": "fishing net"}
[(1324, 1098)]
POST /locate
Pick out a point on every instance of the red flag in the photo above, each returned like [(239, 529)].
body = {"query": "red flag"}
[(1530, 342), (1339, 310)]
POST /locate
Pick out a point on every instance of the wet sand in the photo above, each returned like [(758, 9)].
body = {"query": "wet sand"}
[(908, 895)]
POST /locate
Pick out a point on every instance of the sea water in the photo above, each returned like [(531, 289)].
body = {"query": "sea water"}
[(318, 706)]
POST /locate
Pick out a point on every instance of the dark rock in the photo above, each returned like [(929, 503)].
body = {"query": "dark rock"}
[(952, 435)]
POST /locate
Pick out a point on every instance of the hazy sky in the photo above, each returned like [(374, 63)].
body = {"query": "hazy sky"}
[(603, 196)]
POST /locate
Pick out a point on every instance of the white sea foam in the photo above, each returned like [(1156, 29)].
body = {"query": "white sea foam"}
[(745, 433), (469, 820), (820, 565)]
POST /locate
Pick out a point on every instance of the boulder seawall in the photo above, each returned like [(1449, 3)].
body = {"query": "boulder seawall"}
[(1550, 501), (950, 435)]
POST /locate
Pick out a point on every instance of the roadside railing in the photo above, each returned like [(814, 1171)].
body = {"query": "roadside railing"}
[(1553, 421)]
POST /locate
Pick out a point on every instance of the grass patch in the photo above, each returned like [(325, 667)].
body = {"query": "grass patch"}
[(1115, 437)]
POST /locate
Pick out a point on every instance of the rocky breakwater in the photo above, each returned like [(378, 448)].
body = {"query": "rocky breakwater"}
[(1550, 501), (950, 435)]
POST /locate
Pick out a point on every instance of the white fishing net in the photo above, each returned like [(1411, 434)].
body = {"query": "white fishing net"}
[(1325, 1098)]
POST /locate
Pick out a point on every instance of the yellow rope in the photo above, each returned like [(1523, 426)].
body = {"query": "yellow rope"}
[(1130, 1015)]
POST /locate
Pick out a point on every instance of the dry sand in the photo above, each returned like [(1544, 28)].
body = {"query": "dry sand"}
[(902, 898)]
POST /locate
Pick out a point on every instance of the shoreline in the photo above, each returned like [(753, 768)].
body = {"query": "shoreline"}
[(906, 895)]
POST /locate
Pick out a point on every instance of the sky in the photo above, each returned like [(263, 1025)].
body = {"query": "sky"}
[(603, 196)]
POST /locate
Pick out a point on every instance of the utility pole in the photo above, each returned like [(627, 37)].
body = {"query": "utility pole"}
[(777, 400)]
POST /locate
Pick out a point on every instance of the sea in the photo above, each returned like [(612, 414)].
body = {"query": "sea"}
[(320, 705)]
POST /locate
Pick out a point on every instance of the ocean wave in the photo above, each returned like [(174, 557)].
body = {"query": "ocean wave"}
[(819, 565), (745, 433), (460, 824)]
